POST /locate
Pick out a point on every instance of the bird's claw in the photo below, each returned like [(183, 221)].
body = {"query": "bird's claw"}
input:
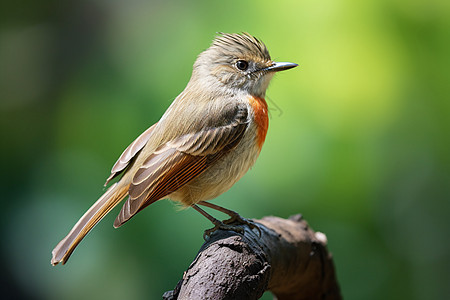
[(240, 220), (223, 226), (226, 225)]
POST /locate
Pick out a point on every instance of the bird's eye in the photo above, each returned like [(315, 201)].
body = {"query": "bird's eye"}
[(242, 65)]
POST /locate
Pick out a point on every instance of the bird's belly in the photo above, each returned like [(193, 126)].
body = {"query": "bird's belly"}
[(220, 177)]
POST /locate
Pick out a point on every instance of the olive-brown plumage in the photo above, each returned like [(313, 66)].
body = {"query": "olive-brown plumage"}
[(205, 142)]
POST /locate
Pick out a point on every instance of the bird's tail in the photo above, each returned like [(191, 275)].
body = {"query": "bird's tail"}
[(104, 205)]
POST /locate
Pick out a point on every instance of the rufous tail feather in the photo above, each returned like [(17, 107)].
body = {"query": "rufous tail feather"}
[(96, 212)]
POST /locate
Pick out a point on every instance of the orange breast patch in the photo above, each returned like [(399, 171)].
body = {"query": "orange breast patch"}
[(259, 106)]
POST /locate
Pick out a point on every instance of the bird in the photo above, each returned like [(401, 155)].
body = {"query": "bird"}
[(207, 139)]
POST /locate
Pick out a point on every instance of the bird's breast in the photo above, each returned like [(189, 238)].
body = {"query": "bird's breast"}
[(261, 119)]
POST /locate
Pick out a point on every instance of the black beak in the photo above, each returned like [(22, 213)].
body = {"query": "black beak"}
[(280, 66)]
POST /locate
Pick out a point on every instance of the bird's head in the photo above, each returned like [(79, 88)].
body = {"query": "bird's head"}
[(238, 62)]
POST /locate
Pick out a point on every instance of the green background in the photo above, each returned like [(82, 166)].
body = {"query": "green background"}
[(358, 140)]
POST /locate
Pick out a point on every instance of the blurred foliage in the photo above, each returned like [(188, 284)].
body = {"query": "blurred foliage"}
[(358, 139)]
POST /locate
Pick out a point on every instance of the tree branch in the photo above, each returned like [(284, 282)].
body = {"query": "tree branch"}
[(289, 259)]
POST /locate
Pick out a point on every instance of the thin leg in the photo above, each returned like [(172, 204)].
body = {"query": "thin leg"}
[(217, 224), (208, 216), (234, 216)]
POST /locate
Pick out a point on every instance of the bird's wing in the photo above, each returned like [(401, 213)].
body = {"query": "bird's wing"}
[(130, 153), (180, 160)]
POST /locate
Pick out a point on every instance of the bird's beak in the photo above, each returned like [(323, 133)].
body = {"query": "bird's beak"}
[(280, 66)]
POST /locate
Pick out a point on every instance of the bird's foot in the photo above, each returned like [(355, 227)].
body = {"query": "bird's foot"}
[(236, 218), (221, 225)]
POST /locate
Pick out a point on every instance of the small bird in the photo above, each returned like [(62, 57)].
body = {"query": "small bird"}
[(208, 138)]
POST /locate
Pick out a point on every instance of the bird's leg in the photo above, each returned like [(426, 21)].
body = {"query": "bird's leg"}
[(217, 224), (234, 216)]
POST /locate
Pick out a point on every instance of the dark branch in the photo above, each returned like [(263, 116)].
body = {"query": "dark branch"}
[(289, 259)]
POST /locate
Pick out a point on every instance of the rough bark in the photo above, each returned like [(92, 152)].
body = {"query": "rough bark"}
[(288, 258)]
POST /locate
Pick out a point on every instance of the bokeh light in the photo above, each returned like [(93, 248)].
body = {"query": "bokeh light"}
[(358, 139)]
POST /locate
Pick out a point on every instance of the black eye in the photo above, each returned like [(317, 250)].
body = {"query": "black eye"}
[(242, 65)]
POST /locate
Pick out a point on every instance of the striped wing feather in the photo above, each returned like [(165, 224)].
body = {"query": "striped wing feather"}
[(178, 161), (130, 153)]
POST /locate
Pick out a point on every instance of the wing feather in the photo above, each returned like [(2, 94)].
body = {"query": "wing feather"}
[(129, 153), (178, 161)]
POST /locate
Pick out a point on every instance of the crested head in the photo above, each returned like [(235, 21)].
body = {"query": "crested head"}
[(235, 62), (243, 45)]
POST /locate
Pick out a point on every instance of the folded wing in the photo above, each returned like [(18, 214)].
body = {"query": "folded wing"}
[(129, 153), (178, 161)]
